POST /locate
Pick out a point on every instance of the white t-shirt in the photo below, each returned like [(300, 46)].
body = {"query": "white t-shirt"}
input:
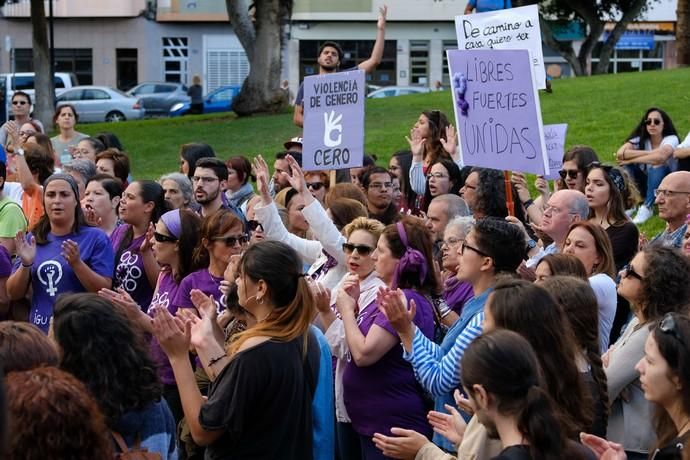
[(605, 290), (14, 190), (671, 140)]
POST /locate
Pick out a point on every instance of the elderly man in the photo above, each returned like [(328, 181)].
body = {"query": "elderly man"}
[(673, 201), (441, 210), (563, 208)]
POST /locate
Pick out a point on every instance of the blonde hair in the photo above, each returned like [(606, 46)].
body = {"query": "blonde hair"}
[(372, 226), (196, 80)]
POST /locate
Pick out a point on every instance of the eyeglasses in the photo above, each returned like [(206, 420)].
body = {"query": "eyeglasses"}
[(316, 186), (629, 270), (254, 224), (668, 326), (452, 241), (436, 176), (205, 180), (654, 121), (19, 102), (555, 210), (362, 249), (472, 248), (159, 237), (668, 193), (572, 173), (80, 152), (381, 185), (233, 240)]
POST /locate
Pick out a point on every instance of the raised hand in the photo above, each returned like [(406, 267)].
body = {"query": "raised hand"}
[(25, 247), (450, 143), (416, 142), (147, 244), (322, 296), (261, 171), (296, 176), (381, 23), (451, 426), (518, 179), (70, 251), (13, 132), (542, 185)]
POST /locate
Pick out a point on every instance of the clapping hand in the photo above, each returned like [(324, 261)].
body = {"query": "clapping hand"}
[(405, 444), (173, 334), (451, 426), (70, 251), (25, 247), (393, 304), (603, 449)]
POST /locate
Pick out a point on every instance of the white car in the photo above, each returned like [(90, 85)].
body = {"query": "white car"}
[(388, 91), (101, 103)]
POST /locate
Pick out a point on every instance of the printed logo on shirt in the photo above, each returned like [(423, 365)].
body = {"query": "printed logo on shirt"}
[(49, 275), (127, 273), (159, 300)]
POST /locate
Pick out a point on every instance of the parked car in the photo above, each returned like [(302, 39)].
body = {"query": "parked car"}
[(218, 100), (388, 91), (158, 97), (24, 81), (101, 103)]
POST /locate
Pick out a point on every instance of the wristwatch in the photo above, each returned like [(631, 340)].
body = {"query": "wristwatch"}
[(531, 244)]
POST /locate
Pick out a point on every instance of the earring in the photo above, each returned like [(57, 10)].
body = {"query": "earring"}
[(260, 301)]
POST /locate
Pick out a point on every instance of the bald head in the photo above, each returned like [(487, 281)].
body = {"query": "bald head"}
[(673, 198)]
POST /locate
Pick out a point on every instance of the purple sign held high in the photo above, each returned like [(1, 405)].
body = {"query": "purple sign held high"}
[(333, 121), (554, 137), (497, 110)]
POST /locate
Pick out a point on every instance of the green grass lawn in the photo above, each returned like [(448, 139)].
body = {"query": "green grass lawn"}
[(600, 112)]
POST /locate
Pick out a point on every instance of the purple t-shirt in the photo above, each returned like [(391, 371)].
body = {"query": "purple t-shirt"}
[(51, 275), (387, 394), (456, 293), (166, 292), (201, 280), (129, 268), (5, 262)]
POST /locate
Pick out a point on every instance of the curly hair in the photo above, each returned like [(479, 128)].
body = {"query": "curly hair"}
[(23, 346), (502, 241), (52, 416), (531, 311), (579, 303), (372, 226), (665, 286), (103, 349)]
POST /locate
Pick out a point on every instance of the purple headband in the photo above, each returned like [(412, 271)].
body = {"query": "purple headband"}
[(412, 261), (173, 222)]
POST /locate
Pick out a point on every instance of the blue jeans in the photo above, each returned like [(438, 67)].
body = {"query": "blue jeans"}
[(648, 181)]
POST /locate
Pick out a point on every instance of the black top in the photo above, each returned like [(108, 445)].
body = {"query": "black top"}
[(262, 401), (673, 450), (514, 453), (574, 450), (195, 92), (624, 241)]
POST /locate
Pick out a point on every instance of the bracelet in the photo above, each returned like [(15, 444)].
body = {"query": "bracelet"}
[(216, 360), (528, 203)]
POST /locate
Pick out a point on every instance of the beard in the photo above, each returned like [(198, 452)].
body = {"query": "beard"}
[(208, 197), (329, 68)]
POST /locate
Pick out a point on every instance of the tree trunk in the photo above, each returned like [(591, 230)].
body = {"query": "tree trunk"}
[(683, 33), (565, 49), (44, 84), (263, 43), (628, 16)]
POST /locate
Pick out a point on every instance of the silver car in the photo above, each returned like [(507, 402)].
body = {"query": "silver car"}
[(101, 103), (158, 97)]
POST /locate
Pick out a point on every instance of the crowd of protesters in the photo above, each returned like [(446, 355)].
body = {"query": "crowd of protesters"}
[(227, 311)]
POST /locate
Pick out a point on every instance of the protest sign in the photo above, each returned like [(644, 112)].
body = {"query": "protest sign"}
[(333, 121), (497, 110), (554, 137), (515, 28)]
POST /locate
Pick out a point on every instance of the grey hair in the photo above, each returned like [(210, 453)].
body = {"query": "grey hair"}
[(463, 223), (183, 182), (455, 206), (580, 206), (86, 168)]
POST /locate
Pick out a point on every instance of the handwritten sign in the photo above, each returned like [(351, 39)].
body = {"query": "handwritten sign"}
[(554, 138), (497, 110), (333, 121), (515, 28)]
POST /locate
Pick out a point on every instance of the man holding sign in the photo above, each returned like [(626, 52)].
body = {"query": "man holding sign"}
[(333, 121), (331, 56)]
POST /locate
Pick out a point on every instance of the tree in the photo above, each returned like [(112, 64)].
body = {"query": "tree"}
[(594, 15), (683, 33), (262, 38), (43, 82)]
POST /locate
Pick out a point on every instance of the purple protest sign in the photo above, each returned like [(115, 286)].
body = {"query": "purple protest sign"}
[(497, 110), (333, 121), (554, 137)]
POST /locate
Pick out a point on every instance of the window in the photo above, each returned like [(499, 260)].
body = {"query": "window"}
[(175, 59), (419, 62), (164, 89), (126, 67), (78, 61), (447, 45), (94, 94), (144, 89), (224, 95), (633, 60), (74, 95), (226, 67)]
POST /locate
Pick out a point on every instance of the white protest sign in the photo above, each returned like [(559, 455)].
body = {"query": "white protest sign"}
[(515, 28), (554, 138)]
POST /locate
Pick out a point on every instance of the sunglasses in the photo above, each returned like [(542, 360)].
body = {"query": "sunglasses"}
[(316, 186), (654, 121), (19, 102), (233, 240), (572, 173), (668, 326), (362, 249), (159, 237), (628, 270), (254, 224)]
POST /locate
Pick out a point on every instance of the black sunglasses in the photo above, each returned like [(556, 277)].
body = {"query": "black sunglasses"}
[(668, 326), (572, 173), (254, 224), (628, 270), (655, 121), (164, 238), (233, 240), (316, 186), (362, 249), (19, 102)]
